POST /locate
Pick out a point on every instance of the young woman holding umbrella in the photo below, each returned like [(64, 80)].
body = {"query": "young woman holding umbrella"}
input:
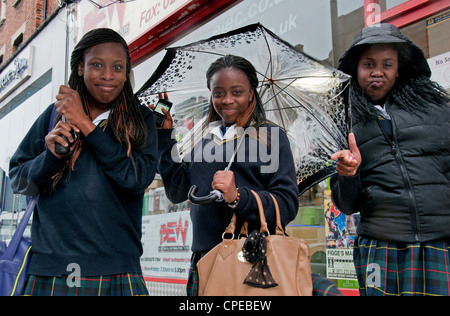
[(234, 104)]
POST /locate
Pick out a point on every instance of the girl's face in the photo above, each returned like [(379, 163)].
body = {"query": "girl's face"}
[(231, 94), (104, 72), (378, 70)]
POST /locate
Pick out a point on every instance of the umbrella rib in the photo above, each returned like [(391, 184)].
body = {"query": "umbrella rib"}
[(325, 127), (281, 89), (279, 109), (270, 64), (300, 105)]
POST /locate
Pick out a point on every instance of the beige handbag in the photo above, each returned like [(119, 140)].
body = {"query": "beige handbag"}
[(283, 267)]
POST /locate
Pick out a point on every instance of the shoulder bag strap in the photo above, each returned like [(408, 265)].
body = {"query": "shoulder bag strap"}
[(279, 228), (12, 247)]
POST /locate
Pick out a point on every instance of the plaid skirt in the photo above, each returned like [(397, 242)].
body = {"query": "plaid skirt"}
[(127, 284), (387, 268), (321, 286)]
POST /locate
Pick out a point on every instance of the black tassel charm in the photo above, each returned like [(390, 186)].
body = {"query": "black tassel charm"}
[(254, 250)]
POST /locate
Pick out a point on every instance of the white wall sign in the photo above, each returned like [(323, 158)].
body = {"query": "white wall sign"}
[(16, 73), (167, 239)]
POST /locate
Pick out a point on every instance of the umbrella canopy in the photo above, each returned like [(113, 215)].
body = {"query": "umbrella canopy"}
[(303, 96)]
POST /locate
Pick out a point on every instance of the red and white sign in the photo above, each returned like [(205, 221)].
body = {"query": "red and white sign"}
[(130, 19), (167, 240)]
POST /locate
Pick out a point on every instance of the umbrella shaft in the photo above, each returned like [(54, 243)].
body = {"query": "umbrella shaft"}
[(235, 152)]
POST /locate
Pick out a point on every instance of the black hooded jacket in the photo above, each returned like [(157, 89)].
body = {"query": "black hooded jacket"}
[(402, 189)]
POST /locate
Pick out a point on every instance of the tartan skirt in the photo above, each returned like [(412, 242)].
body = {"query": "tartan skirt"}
[(397, 269), (128, 284), (321, 285)]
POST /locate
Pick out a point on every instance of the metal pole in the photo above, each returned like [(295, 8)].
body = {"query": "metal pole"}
[(66, 61)]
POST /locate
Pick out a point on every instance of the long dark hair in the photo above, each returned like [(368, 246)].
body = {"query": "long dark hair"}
[(125, 118), (255, 112)]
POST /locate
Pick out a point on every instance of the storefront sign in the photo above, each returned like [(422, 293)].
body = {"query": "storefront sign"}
[(167, 239), (130, 19), (16, 73), (438, 19)]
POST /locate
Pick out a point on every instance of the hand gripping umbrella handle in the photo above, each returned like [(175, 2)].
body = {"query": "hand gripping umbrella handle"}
[(214, 195), (211, 197)]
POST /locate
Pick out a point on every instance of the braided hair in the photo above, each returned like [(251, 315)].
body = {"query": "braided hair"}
[(125, 117)]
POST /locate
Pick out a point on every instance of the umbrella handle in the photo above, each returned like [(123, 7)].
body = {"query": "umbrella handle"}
[(213, 196)]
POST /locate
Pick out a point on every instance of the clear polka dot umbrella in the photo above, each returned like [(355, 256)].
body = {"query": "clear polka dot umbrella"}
[(300, 94)]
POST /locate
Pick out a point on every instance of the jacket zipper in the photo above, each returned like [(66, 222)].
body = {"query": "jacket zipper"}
[(406, 179)]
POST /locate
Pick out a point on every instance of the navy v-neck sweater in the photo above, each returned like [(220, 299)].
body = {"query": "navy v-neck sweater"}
[(211, 155), (93, 218)]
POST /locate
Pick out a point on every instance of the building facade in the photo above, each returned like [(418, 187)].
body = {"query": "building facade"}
[(32, 58), (322, 28)]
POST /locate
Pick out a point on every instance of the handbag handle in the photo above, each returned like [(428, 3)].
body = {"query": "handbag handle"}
[(15, 240), (264, 229), (279, 228)]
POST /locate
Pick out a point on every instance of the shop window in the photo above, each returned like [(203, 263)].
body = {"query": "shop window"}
[(323, 226), (295, 22), (310, 225), (17, 42), (2, 12), (16, 3)]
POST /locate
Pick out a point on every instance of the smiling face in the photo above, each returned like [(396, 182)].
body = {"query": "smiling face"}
[(104, 72), (231, 94), (378, 70)]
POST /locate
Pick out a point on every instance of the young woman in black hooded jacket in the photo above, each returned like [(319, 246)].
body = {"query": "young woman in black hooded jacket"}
[(396, 172)]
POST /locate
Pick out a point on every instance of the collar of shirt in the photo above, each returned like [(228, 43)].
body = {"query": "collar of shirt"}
[(101, 117), (216, 130), (383, 111)]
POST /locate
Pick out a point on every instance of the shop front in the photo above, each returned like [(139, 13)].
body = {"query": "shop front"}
[(322, 29), (27, 87)]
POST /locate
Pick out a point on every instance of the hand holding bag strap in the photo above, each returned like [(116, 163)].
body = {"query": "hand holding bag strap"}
[(12, 247)]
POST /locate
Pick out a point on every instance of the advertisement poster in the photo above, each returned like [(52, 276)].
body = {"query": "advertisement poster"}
[(340, 236), (167, 240)]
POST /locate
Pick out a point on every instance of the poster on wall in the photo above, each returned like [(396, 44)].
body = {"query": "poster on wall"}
[(167, 240), (440, 68), (340, 232)]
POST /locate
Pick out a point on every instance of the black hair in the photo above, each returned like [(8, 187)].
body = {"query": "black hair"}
[(125, 117), (255, 113)]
